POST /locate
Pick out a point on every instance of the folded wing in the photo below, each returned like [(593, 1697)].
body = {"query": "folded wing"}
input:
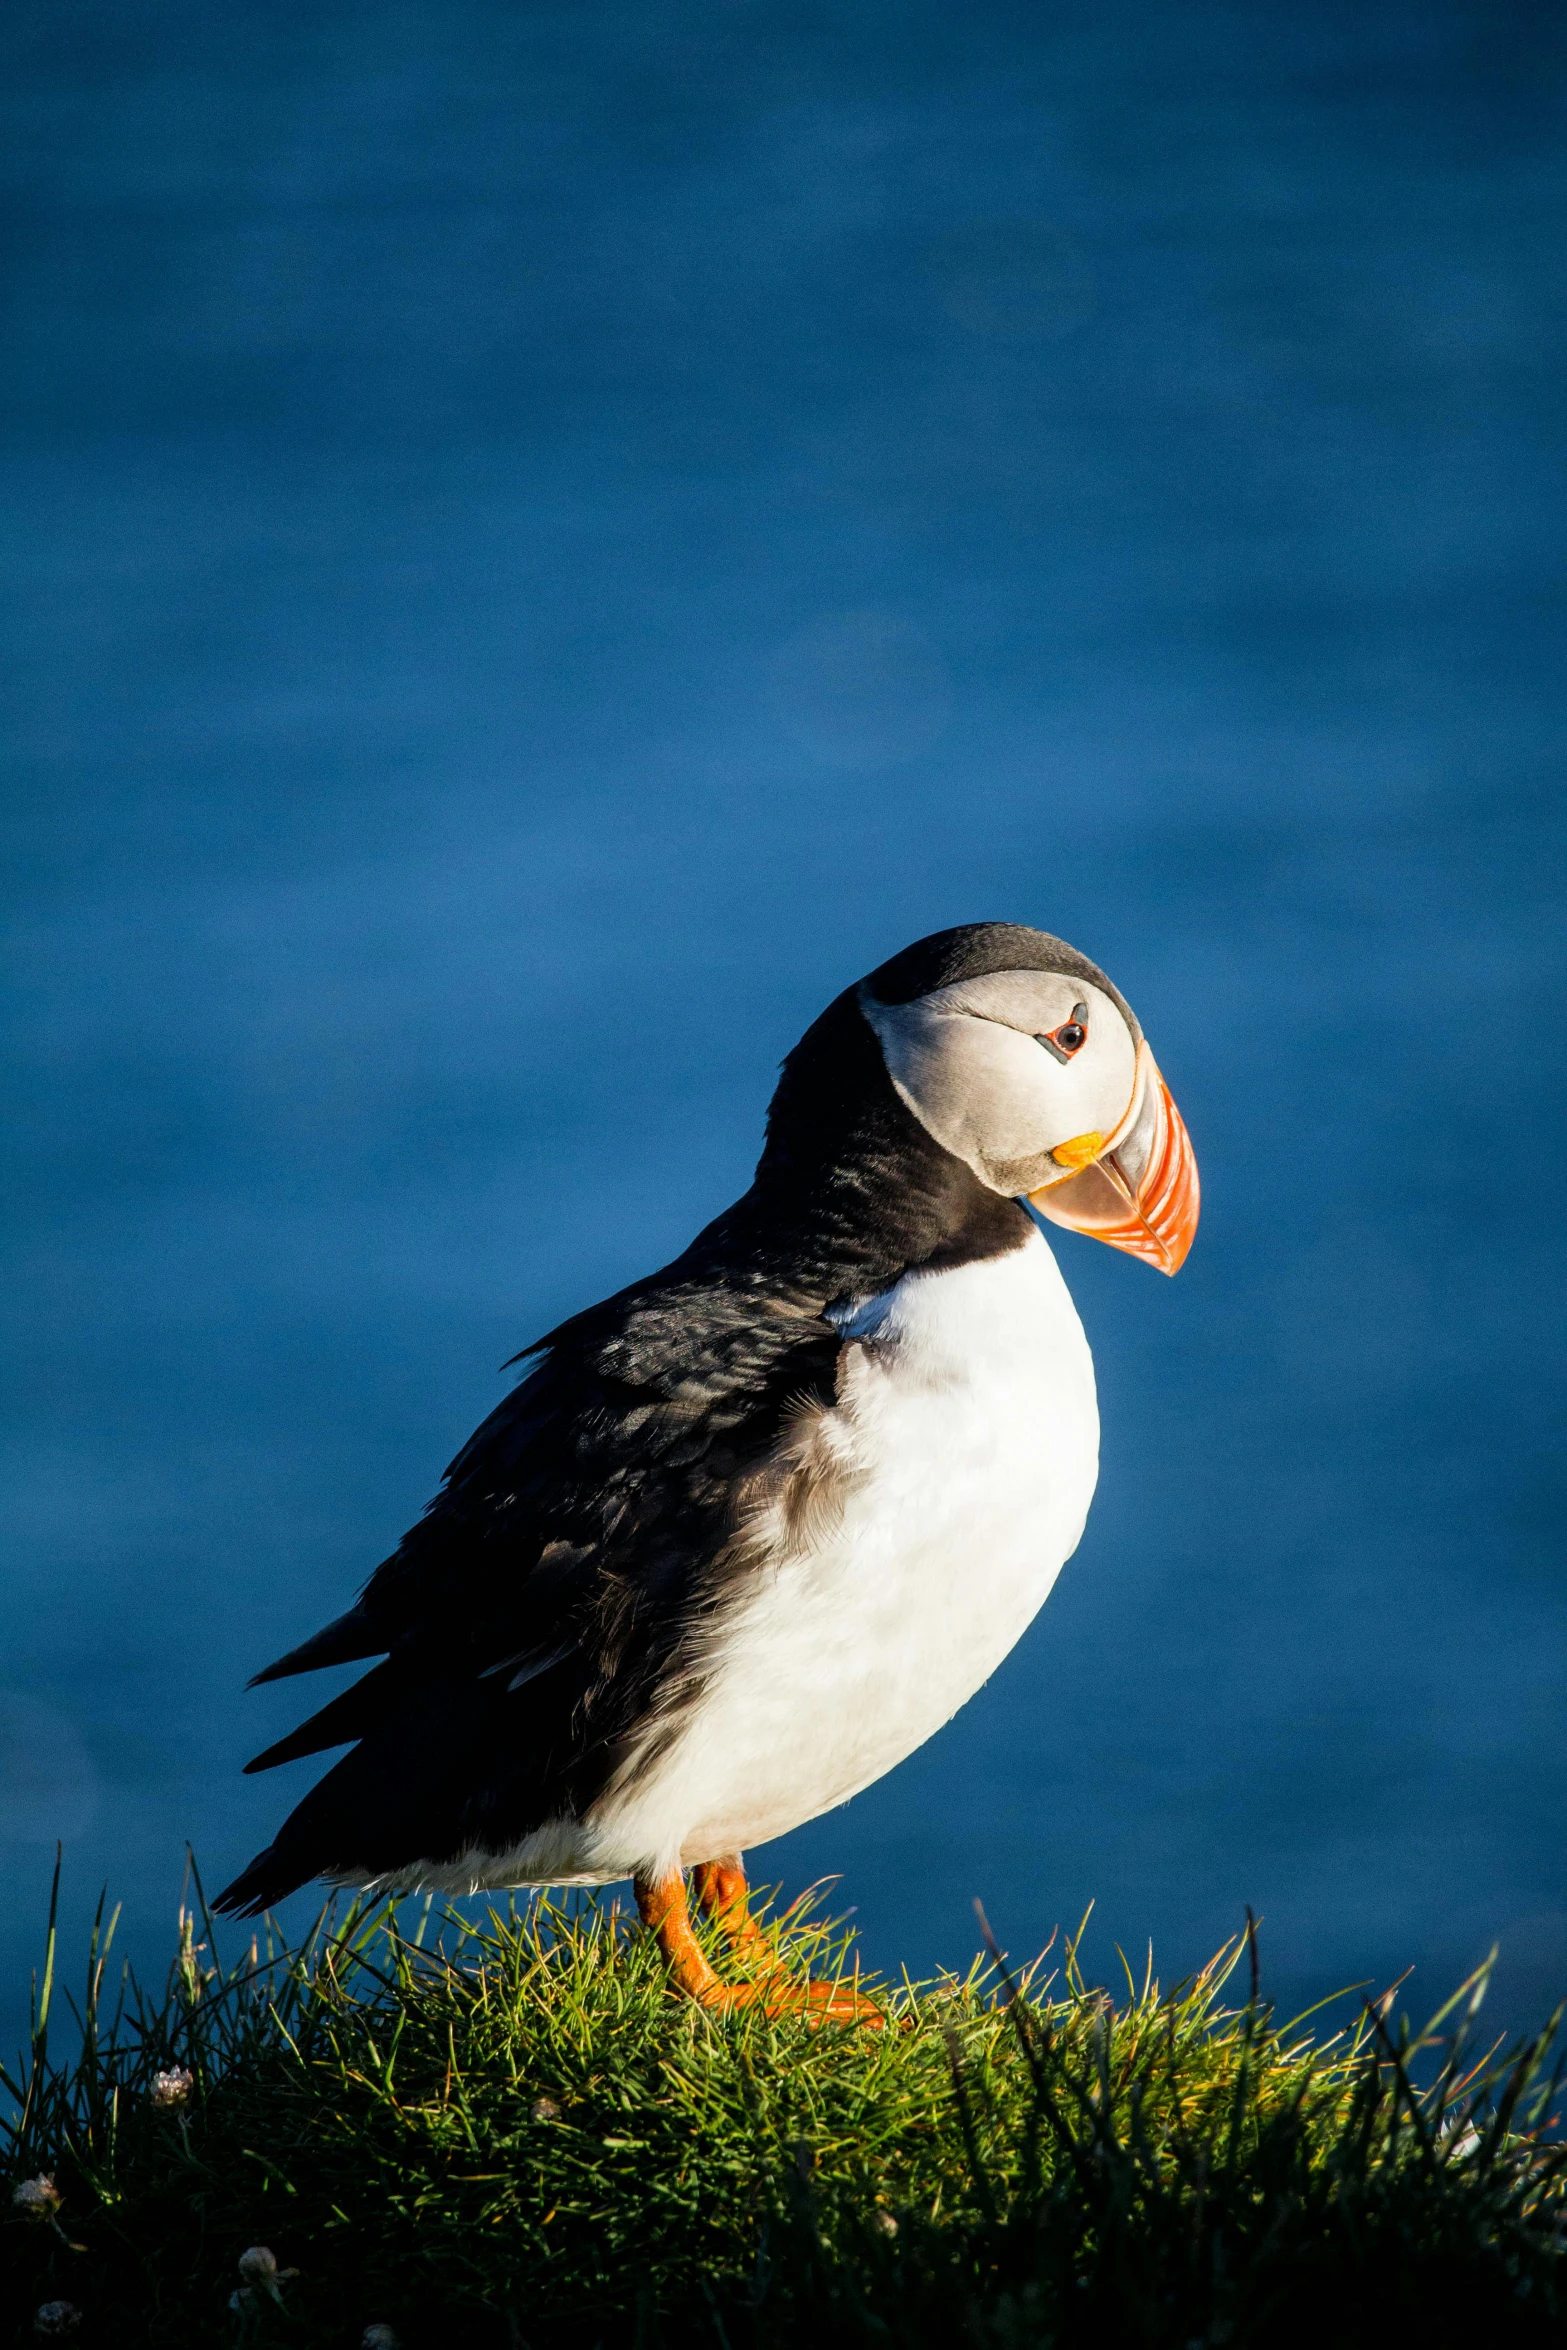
[(544, 1606)]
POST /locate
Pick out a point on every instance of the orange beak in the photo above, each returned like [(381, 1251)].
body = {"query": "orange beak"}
[(1140, 1192)]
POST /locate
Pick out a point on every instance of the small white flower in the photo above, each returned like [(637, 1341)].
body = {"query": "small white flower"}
[(172, 2087), (56, 2319), (36, 2198), (259, 2267), (545, 2109), (884, 2223), (379, 2338)]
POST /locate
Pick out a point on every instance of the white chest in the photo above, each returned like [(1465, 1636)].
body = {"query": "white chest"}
[(968, 1434)]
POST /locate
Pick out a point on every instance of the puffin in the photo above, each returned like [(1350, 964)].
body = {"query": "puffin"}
[(747, 1533)]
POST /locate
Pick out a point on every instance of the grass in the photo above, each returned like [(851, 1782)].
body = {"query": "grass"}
[(510, 2133)]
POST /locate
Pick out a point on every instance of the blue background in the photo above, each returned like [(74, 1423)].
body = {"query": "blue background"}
[(542, 541)]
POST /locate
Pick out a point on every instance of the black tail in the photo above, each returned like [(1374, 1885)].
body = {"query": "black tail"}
[(271, 1877), (384, 1807), (457, 1767)]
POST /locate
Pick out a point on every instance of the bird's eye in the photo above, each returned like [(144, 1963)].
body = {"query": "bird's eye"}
[(1070, 1037)]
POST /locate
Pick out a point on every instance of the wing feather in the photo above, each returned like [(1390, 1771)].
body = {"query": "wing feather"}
[(536, 1614), (343, 1642)]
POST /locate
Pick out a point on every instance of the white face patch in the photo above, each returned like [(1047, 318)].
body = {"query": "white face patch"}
[(967, 1060)]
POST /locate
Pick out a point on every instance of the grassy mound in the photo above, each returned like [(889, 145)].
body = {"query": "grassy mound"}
[(512, 2134)]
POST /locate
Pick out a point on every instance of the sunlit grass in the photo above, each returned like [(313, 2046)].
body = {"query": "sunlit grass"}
[(510, 2132)]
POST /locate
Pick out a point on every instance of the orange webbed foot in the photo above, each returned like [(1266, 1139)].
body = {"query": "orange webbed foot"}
[(812, 2002)]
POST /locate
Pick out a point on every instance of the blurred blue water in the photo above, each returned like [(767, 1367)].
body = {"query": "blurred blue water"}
[(541, 542)]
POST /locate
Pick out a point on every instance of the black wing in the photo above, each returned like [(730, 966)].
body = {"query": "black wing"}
[(542, 1610)]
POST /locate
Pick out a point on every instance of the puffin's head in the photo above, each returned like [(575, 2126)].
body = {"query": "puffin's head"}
[(1018, 1056)]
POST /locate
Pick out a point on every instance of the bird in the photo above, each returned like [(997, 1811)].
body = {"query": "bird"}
[(747, 1533)]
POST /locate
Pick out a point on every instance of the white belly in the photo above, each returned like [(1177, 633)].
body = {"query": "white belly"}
[(969, 1420)]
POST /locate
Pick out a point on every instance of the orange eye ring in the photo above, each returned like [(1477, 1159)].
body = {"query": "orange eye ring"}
[(1071, 1036)]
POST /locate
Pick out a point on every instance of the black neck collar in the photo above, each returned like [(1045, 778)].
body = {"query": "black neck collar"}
[(851, 1191)]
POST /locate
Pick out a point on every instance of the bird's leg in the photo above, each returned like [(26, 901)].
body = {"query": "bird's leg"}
[(720, 1889), (662, 1903)]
